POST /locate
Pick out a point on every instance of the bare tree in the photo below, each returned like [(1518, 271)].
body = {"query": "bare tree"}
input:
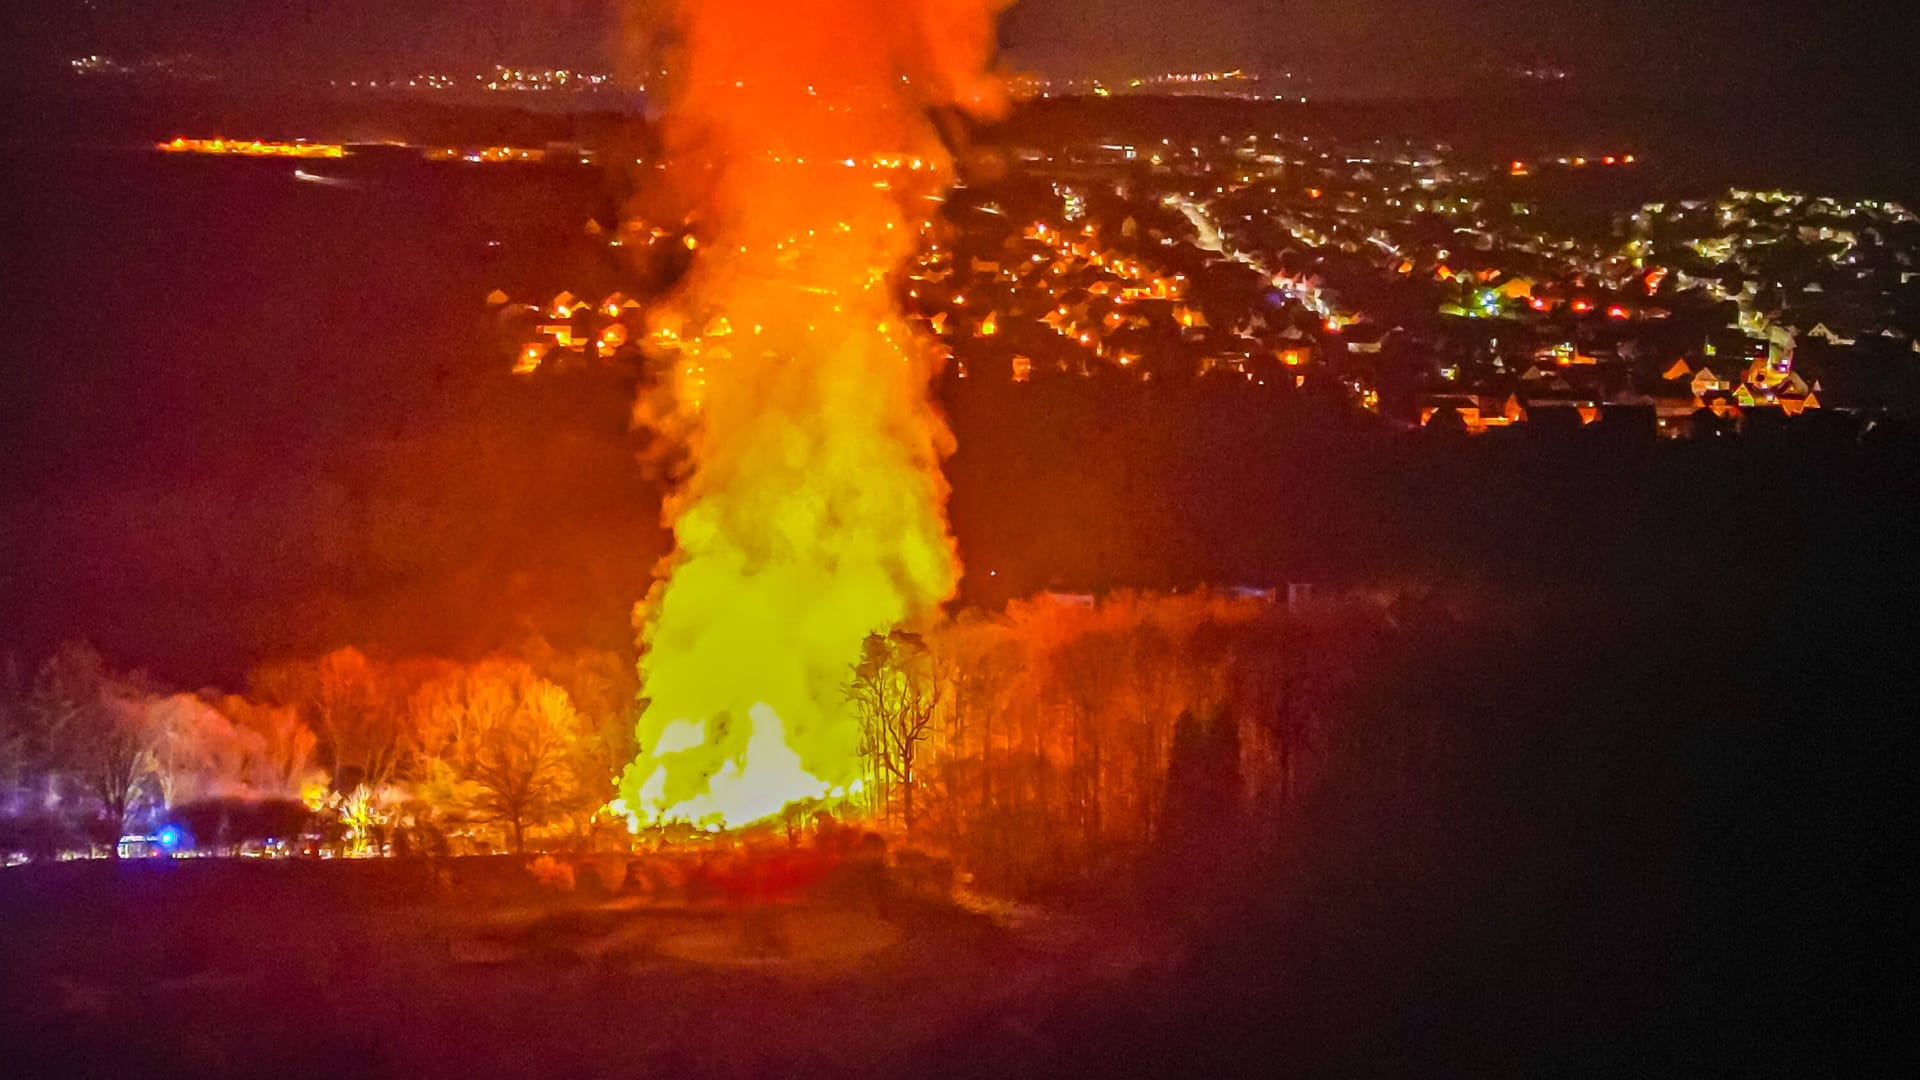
[(96, 731), (16, 727), (897, 696), (504, 742), (521, 766), (113, 759), (349, 706), (70, 682), (198, 751), (228, 747), (605, 689), (1088, 679), (287, 745)]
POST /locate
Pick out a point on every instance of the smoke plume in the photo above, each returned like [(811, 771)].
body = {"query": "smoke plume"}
[(809, 508)]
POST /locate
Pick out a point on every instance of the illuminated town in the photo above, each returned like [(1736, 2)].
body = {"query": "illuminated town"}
[(1409, 283)]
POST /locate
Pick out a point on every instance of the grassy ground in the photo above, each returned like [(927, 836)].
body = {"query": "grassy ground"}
[(230, 968)]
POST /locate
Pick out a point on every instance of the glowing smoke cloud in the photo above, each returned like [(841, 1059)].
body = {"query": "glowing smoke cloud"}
[(810, 508)]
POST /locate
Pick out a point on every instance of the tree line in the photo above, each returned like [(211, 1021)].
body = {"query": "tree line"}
[(1062, 735), (1055, 736), (380, 754)]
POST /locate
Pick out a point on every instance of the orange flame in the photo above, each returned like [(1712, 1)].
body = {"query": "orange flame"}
[(810, 506)]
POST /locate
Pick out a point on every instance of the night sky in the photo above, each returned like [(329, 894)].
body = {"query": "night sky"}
[(1346, 46), (141, 459)]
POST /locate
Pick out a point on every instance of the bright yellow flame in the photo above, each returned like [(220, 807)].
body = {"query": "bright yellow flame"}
[(313, 795), (811, 511)]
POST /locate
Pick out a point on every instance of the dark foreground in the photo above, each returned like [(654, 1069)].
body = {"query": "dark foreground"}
[(1663, 828), (1652, 836), (470, 968)]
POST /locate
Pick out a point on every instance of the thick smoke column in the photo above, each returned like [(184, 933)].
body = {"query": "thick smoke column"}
[(810, 508)]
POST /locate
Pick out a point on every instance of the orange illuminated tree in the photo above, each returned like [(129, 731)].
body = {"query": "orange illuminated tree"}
[(343, 698), (503, 743), (898, 698)]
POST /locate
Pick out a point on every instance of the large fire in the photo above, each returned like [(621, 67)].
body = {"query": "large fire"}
[(810, 507)]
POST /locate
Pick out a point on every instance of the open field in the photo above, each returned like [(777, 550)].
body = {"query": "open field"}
[(226, 968)]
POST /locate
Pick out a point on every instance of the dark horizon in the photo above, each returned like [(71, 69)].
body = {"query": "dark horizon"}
[(1360, 48)]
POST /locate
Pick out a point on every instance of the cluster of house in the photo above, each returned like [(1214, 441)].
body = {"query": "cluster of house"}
[(1721, 393), (1392, 276), (1843, 271), (566, 325)]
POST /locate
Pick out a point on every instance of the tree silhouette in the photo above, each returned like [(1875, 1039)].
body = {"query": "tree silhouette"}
[(897, 697), (97, 733), (16, 727)]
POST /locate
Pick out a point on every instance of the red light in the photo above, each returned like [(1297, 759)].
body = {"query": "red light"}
[(1617, 312), (1609, 159), (1582, 306), (1538, 303)]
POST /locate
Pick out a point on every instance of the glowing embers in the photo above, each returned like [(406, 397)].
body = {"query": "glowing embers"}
[(252, 148)]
